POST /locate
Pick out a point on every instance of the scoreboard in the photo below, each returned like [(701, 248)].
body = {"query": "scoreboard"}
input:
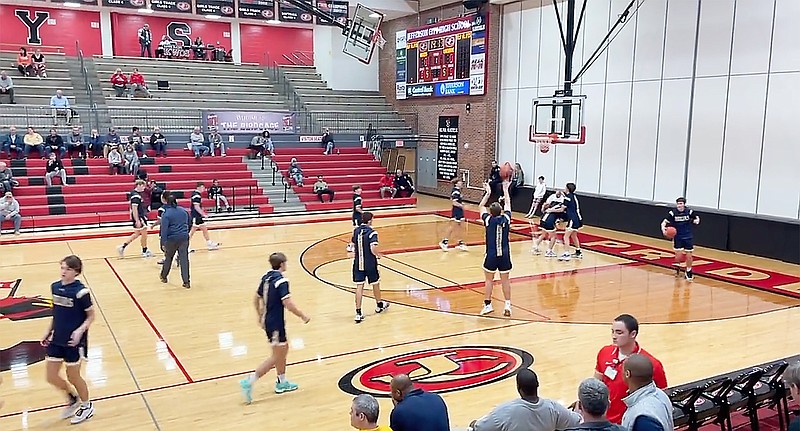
[(444, 59)]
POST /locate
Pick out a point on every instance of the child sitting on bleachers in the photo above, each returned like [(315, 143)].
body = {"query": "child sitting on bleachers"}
[(296, 173), (115, 161), (215, 192), (130, 160)]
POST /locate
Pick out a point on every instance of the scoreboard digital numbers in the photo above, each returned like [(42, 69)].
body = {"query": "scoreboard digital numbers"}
[(444, 59)]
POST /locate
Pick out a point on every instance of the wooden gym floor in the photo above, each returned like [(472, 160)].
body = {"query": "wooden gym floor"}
[(162, 357)]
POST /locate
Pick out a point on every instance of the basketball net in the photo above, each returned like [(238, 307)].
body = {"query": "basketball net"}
[(378, 39), (544, 142)]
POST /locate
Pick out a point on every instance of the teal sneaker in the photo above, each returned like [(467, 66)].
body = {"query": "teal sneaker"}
[(247, 390), (286, 386)]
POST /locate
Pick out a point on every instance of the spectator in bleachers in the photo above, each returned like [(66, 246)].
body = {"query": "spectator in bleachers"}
[(415, 409), (55, 168), (39, 64), (163, 47), (9, 211), (130, 160), (649, 408), (159, 142), (386, 185), (60, 106), (215, 192), (229, 56), (76, 144), (95, 144), (147, 195), (138, 84), (12, 143), (7, 86), (364, 413), (33, 141), (7, 181), (197, 142), (592, 405), (327, 142), (54, 143), (136, 140), (403, 184), (145, 40), (321, 188), (791, 378), (529, 412), (199, 49), (24, 62), (115, 161), (215, 142), (296, 172), (260, 145), (119, 82), (111, 141), (517, 180)]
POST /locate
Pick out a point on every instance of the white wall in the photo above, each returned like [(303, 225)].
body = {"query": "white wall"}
[(342, 71), (691, 98)]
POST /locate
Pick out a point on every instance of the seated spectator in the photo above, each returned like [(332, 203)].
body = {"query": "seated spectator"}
[(7, 181), (95, 144), (364, 414), (215, 192), (791, 378), (9, 211), (199, 49), (260, 144), (529, 412), (60, 106), (415, 409), (648, 407), (76, 144), (197, 143), (55, 168), (136, 140), (119, 82), (517, 180), (386, 185), (39, 64), (112, 141), (163, 46), (159, 142), (403, 185), (592, 405), (215, 141), (54, 143), (115, 162), (24, 62), (7, 87), (155, 194), (327, 142), (229, 56), (130, 160), (138, 84), (296, 172), (33, 141), (321, 188), (12, 143)]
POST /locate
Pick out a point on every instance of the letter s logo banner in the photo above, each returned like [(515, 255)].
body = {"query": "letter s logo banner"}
[(440, 370), (180, 32)]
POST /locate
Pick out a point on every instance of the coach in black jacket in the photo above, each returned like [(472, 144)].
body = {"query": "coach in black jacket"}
[(174, 237)]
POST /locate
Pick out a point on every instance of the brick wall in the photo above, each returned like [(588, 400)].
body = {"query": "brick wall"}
[(478, 128)]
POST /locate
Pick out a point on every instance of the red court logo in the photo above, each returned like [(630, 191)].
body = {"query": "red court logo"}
[(16, 308), (440, 370)]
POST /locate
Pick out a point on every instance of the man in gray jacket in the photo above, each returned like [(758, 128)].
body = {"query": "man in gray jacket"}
[(9, 210), (649, 408)]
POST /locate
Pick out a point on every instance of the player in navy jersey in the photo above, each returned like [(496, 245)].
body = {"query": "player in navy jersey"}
[(199, 215), (364, 247), (358, 210), (456, 218), (574, 219), (682, 219), (271, 301), (138, 212), (547, 227), (66, 340), (497, 220)]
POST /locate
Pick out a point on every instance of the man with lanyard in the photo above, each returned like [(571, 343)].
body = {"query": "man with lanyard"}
[(610, 359)]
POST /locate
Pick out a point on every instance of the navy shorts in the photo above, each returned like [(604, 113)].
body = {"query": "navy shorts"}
[(276, 334), (457, 214), (356, 219), (197, 220), (683, 243), (141, 219), (497, 263), (548, 224), (370, 275), (69, 354), (574, 223)]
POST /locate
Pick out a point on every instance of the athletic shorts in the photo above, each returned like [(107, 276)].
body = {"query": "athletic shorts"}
[(356, 219), (497, 263), (276, 334), (457, 214), (370, 275), (683, 243), (197, 220), (548, 224), (68, 354), (574, 223), (144, 223)]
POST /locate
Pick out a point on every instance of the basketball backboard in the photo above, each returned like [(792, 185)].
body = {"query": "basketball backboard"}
[(362, 33), (560, 116)]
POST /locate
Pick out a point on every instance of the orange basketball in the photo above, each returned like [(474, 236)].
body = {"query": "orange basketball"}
[(670, 232), (506, 171)]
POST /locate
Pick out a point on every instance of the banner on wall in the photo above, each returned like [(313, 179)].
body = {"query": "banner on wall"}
[(127, 4), (174, 6), (250, 123), (84, 2), (447, 148), (339, 9), (256, 9), (400, 64), (287, 12), (214, 7)]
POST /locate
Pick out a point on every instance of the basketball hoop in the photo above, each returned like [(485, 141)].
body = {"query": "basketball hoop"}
[(378, 39), (544, 141)]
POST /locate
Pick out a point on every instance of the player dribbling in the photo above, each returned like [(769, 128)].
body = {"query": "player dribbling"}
[(682, 219)]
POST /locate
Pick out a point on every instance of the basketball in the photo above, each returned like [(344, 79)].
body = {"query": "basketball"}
[(670, 232), (506, 171)]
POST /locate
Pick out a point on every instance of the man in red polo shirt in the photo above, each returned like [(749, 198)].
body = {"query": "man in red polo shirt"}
[(610, 359)]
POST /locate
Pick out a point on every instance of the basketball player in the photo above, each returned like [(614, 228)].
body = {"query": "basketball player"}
[(358, 211), (456, 218), (271, 299), (574, 223), (547, 228), (365, 264), (538, 195), (138, 219), (497, 220), (199, 215), (66, 339), (682, 219)]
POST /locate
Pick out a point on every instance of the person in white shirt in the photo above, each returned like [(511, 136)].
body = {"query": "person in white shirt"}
[(9, 210), (538, 195)]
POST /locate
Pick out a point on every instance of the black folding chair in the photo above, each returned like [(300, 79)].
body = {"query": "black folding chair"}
[(683, 402), (742, 395), (772, 392), (712, 406)]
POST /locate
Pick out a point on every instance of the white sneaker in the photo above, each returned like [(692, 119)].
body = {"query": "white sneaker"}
[(507, 312), (121, 251), (443, 246), (565, 257), (84, 412), (72, 406), (359, 318), (487, 309), (550, 253), (536, 251), (383, 308), (462, 247), (148, 253), (213, 246)]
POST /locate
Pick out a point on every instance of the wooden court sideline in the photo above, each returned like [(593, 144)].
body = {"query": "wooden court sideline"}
[(162, 357)]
